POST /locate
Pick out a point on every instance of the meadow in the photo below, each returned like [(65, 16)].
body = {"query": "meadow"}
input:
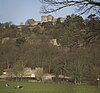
[(37, 87)]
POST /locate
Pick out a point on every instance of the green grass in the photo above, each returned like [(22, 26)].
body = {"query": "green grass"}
[(29, 87)]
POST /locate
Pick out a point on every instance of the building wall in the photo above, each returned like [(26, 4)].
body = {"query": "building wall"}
[(62, 20)]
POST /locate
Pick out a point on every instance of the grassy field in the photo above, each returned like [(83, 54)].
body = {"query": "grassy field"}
[(29, 87)]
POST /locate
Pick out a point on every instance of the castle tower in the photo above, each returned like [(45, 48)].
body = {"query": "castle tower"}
[(50, 18), (44, 19)]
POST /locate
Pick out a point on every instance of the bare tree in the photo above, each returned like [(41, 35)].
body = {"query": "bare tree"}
[(84, 6)]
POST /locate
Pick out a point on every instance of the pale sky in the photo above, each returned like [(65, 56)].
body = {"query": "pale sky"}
[(19, 11)]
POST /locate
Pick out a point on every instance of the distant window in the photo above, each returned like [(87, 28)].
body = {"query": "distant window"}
[(33, 75), (4, 73)]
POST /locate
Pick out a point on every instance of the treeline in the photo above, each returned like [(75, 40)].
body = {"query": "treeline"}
[(77, 56)]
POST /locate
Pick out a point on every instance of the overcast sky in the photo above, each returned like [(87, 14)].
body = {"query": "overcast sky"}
[(19, 11)]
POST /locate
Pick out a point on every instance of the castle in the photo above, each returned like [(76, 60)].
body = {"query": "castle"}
[(48, 18)]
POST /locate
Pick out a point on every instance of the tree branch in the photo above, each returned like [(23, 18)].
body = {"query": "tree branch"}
[(55, 5)]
